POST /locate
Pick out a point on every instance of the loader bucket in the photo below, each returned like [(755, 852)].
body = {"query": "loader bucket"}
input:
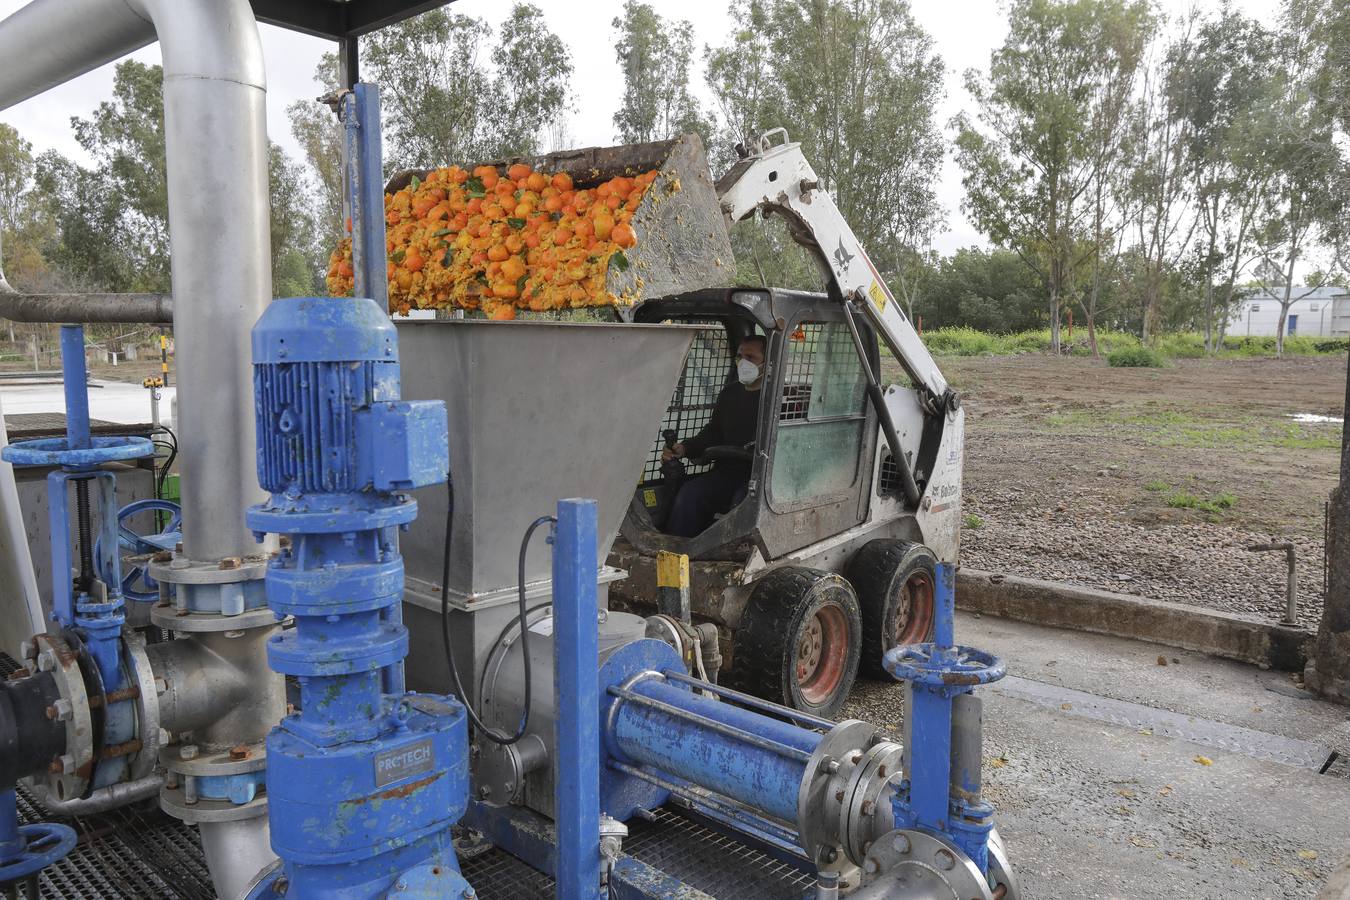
[(682, 244)]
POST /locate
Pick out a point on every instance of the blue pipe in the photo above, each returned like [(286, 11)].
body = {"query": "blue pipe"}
[(77, 393), (576, 696), (751, 758)]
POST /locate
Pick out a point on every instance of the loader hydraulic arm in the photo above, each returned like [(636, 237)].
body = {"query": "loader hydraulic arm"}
[(776, 177)]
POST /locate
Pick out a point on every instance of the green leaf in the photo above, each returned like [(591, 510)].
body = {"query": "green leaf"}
[(397, 255), (516, 223), (415, 183), (440, 233), (449, 256), (619, 261), (474, 187), (520, 284), (482, 279), (555, 216)]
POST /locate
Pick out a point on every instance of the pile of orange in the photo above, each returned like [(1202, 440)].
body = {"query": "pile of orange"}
[(501, 241)]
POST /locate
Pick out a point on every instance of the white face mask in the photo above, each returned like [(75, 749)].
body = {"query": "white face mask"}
[(747, 372)]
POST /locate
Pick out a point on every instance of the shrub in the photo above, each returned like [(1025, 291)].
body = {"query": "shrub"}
[(1135, 358), (1182, 345), (960, 341)]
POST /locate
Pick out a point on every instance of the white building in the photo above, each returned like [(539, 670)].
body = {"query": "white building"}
[(1316, 312)]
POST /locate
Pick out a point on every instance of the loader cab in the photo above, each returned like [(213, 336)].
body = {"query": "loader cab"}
[(815, 436)]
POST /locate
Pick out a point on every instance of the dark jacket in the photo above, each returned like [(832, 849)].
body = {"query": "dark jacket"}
[(734, 421)]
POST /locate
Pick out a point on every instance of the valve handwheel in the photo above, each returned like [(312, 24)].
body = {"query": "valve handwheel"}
[(25, 850), (953, 667), (136, 581)]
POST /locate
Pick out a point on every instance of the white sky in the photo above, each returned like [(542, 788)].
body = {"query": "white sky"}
[(964, 32)]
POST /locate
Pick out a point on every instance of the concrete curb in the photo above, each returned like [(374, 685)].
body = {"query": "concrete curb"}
[(1196, 628)]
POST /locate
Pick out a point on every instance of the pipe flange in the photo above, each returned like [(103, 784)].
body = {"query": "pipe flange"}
[(147, 705), (866, 811), (174, 802), (188, 759), (825, 776), (69, 776), (1000, 871), (202, 622), (181, 570), (910, 863)]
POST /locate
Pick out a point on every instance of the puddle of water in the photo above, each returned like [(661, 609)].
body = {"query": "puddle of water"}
[(1315, 419)]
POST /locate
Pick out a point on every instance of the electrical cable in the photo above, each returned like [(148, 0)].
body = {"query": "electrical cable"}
[(491, 734)]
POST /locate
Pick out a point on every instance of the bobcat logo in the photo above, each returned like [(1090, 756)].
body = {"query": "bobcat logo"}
[(842, 258)]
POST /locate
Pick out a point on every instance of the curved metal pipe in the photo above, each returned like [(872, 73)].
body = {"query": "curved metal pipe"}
[(105, 798), (154, 309), (215, 147)]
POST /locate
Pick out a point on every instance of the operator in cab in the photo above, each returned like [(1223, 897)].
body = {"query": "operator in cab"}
[(733, 424)]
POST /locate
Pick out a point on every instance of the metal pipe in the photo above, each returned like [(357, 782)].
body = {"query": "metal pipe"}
[(73, 374), (49, 42), (1291, 581), (802, 718), (105, 798), (730, 760), (753, 740), (156, 309), (706, 800)]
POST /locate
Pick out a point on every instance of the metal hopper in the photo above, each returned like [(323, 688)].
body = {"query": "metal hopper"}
[(538, 411), (682, 236)]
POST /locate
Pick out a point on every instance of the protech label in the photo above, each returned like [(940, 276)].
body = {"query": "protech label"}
[(395, 765)]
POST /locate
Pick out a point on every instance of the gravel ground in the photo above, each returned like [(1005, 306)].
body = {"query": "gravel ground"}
[(1083, 473)]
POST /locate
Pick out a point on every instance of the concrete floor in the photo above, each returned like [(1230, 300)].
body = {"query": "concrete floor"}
[(1095, 800)]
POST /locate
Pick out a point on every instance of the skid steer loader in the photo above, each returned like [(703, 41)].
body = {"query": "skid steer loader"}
[(854, 489)]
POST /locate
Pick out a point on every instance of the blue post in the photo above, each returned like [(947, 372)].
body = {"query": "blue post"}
[(576, 697), (11, 842), (77, 393), (364, 153), (944, 605)]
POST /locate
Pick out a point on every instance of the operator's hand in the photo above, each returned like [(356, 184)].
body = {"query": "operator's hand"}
[(676, 452)]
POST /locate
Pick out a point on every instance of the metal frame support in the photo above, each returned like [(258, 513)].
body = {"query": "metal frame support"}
[(363, 153), (576, 689)]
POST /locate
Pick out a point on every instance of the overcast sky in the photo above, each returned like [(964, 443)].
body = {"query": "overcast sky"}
[(964, 31)]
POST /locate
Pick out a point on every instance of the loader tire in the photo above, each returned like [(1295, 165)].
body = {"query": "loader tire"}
[(895, 582), (799, 640)]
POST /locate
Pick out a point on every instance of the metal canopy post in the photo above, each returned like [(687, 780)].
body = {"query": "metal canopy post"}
[(577, 699), (363, 166)]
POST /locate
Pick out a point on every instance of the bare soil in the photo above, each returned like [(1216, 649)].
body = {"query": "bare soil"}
[(1152, 481)]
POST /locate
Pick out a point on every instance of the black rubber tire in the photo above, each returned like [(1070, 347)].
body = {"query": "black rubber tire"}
[(878, 572), (767, 643)]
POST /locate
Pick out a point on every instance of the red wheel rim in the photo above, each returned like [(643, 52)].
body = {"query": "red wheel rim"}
[(912, 621), (822, 653)]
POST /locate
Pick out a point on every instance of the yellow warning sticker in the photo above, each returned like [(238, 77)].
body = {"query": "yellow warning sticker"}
[(878, 295), (649, 498)]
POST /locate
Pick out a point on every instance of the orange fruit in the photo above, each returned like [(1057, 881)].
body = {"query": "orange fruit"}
[(498, 252), (518, 171), (562, 181), (504, 289), (623, 235), (513, 268), (536, 181), (504, 312), (489, 178)]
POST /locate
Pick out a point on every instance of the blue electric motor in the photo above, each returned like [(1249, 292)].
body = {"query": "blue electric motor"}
[(365, 780)]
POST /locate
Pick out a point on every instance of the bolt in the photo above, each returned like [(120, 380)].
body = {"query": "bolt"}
[(231, 562), (831, 855), (162, 556), (881, 771), (946, 862), (901, 844), (187, 751), (238, 752), (189, 789), (872, 867), (27, 650), (67, 763), (839, 796), (484, 792), (178, 547), (61, 710), (468, 894), (183, 612), (867, 808), (856, 757), (400, 885), (46, 661), (161, 685), (165, 739)]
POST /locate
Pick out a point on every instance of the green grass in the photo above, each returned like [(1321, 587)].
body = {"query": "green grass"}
[(1156, 485), (963, 341), (973, 522), (1172, 428), (1214, 506), (1135, 358)]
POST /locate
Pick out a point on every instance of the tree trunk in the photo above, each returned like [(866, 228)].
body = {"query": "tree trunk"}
[(1287, 301)]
